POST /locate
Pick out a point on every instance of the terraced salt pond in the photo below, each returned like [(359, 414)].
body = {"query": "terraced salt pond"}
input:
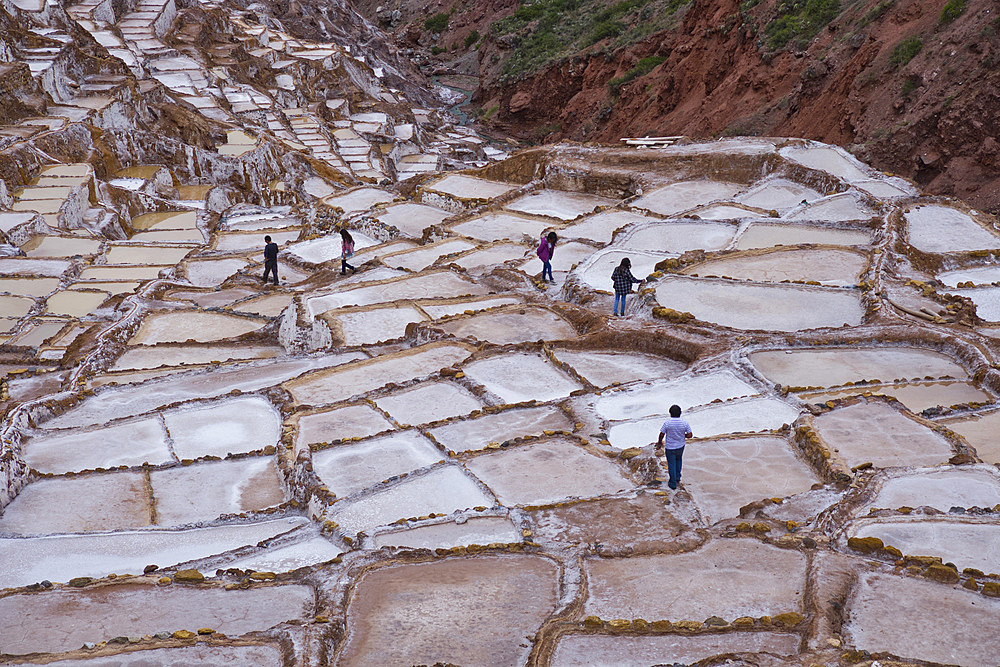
[(828, 267), (183, 326), (943, 229), (838, 366), (979, 430), (511, 326), (766, 307), (767, 235), (349, 468), (558, 204), (678, 197), (497, 226), (520, 377), (675, 238)]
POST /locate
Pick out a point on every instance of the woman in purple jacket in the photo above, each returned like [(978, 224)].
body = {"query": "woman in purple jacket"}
[(546, 247)]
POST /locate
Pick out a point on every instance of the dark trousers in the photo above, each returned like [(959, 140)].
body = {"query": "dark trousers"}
[(344, 266), (674, 466), (271, 267), (547, 269)]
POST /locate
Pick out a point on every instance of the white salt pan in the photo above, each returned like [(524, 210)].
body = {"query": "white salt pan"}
[(351, 467), (521, 377)]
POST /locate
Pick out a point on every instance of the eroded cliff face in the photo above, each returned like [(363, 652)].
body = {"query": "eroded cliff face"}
[(901, 87)]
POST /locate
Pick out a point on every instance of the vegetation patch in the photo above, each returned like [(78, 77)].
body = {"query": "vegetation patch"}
[(800, 20), (951, 10), (545, 31), (906, 51), (642, 68), (437, 23)]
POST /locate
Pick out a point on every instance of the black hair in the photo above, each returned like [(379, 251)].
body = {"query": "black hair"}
[(627, 264), (346, 235), (675, 411), (551, 238), (267, 239)]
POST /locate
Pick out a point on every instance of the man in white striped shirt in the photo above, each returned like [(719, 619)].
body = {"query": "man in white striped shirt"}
[(673, 435)]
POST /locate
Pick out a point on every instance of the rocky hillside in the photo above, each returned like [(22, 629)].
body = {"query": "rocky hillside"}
[(910, 86)]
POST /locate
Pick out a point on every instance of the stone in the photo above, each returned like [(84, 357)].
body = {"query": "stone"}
[(991, 589), (184, 634), (865, 545), (80, 582), (189, 576), (788, 619)]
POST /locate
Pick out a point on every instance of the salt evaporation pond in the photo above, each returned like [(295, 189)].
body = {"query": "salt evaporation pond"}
[(603, 369), (189, 325), (596, 271), (497, 226), (423, 256), (987, 300), (201, 654), (916, 396), (764, 307), (211, 273), (351, 467), (830, 367), (370, 326), (521, 377), (477, 530), (677, 197), (352, 421), (136, 358), (943, 229), (474, 434), (766, 235), (650, 398), (438, 285), (893, 439), (836, 208), (327, 248), (980, 431), (559, 203), (546, 472), (289, 557), (51, 623), (724, 475), (228, 426), (941, 489), (979, 275), (828, 267), (360, 199), (882, 616), (600, 227), (511, 326), (468, 187), (825, 158), (676, 238), (780, 194), (128, 444), (642, 651), (25, 561), (443, 490), (974, 545), (429, 402), (736, 578), (411, 219), (488, 257)]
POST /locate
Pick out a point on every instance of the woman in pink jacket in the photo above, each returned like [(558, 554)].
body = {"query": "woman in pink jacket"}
[(546, 247)]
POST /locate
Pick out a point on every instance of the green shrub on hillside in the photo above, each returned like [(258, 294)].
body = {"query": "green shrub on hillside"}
[(800, 21), (472, 38), (642, 68), (437, 23), (906, 50), (951, 11)]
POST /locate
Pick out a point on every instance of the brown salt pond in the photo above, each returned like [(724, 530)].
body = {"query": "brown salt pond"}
[(50, 623), (74, 303), (203, 655), (33, 287), (624, 651), (15, 306), (511, 326), (539, 473), (60, 246), (136, 358), (736, 577), (166, 220), (725, 474), (828, 267), (831, 367), (982, 431), (103, 272), (892, 438), (205, 491), (186, 325), (882, 616), (471, 611), (270, 305)]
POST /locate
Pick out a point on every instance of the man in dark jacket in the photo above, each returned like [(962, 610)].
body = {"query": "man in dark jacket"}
[(270, 259)]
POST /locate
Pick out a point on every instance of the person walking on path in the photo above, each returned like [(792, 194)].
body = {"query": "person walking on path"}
[(346, 251), (623, 280), (546, 247), (673, 435), (270, 259)]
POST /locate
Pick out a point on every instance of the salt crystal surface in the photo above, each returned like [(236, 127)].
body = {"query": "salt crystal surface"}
[(945, 229), (982, 431), (779, 194), (376, 325), (882, 616), (136, 254), (735, 578), (472, 434), (423, 256), (840, 207), (439, 310), (826, 266), (766, 235), (766, 307), (95, 502), (412, 219), (164, 355), (181, 326), (477, 530), (200, 654), (605, 368), (496, 226), (724, 475), (596, 271), (676, 238), (428, 402), (437, 285), (678, 197), (491, 256), (601, 226), (826, 158), (269, 305), (51, 623), (204, 491), (655, 397), (916, 396), (126, 401), (980, 275), (243, 242), (987, 300), (36, 267), (211, 273), (642, 651), (558, 203), (326, 248), (468, 187), (521, 377), (567, 255), (441, 491), (975, 545), (353, 421), (128, 444), (289, 557), (60, 558), (512, 326), (828, 367), (228, 426), (941, 489), (547, 472), (360, 199), (351, 467)]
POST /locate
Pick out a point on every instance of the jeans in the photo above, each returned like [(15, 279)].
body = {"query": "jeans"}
[(271, 267), (344, 266), (619, 298), (674, 466), (547, 268)]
